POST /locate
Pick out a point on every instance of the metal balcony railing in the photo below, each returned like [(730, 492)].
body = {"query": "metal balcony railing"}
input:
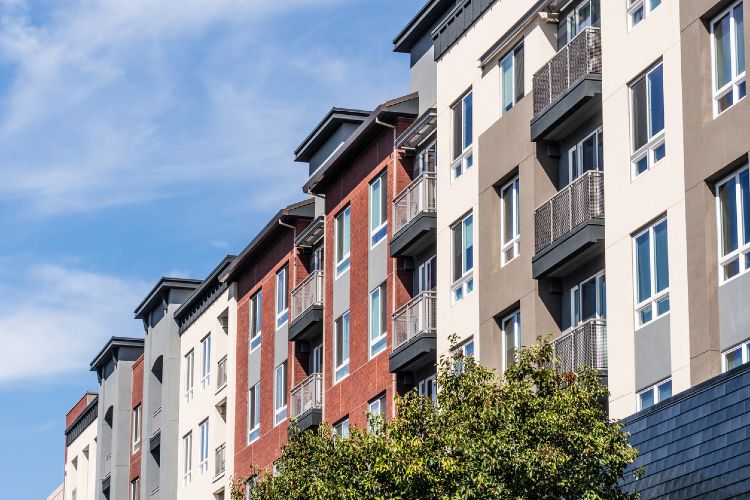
[(579, 201), (581, 56), (156, 422), (307, 294), (413, 318), (221, 379), (584, 345), (307, 395), (418, 197), (220, 460)]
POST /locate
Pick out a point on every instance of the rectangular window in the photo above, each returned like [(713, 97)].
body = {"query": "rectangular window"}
[(736, 356), (510, 221), (316, 359), (256, 319), (588, 300), (647, 110), (378, 319), (282, 297), (651, 251), (203, 458), (733, 205), (375, 413), (316, 258), (187, 465), (280, 388), (135, 489), (425, 160), (511, 331), (639, 9), (463, 258), (342, 241), (342, 347), (586, 155), (253, 413), (378, 209), (206, 362), (466, 349), (654, 394), (511, 69), (341, 428), (728, 58), (585, 14), (189, 375), (136, 430), (463, 132), (427, 388), (427, 275)]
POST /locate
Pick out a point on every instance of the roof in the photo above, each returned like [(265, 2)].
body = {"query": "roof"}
[(109, 349), (323, 130), (404, 106), (155, 296), (77, 426), (422, 128), (420, 24), (303, 209), (207, 292)]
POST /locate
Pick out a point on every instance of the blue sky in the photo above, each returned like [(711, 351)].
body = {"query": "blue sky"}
[(143, 138)]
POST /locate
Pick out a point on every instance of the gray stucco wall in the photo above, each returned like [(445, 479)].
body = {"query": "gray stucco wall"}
[(281, 342), (734, 313), (337, 138), (423, 74), (652, 353)]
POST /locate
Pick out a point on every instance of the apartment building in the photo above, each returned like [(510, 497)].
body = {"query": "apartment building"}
[(207, 327), (80, 449), (136, 431)]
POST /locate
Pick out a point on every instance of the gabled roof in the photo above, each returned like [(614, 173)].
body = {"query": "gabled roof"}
[(421, 23), (110, 350), (323, 130), (207, 291), (156, 295)]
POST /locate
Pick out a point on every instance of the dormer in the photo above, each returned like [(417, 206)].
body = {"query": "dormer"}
[(328, 136)]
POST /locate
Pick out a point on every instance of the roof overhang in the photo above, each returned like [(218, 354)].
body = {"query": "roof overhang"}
[(311, 235), (110, 350), (157, 294), (422, 128), (323, 130), (421, 24), (204, 290)]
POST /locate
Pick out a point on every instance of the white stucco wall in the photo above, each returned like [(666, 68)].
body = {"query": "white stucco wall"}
[(82, 478)]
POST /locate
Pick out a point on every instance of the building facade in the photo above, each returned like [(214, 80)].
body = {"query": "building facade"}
[(80, 449)]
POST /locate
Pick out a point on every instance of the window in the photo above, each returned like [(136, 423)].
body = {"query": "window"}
[(136, 430), (375, 408), (425, 160), (203, 458), (463, 258), (249, 485), (511, 330), (187, 465), (342, 241), (256, 321), (135, 489), (639, 9), (466, 349), (253, 413), (585, 14), (316, 359), (647, 109), (378, 209), (427, 275), (206, 361), (280, 393), (510, 221), (736, 356), (427, 388), (733, 205), (586, 155), (463, 132), (588, 300), (651, 251), (189, 374), (342, 347), (282, 304), (654, 394), (728, 58), (378, 319), (316, 258), (341, 428), (511, 69)]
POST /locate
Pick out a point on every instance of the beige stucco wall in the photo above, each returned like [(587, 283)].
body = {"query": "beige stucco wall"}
[(82, 478), (57, 494)]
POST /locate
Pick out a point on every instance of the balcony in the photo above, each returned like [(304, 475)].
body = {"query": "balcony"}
[(307, 308), (568, 89), (307, 402), (220, 463), (221, 378), (414, 334), (415, 217), (569, 228), (584, 345)]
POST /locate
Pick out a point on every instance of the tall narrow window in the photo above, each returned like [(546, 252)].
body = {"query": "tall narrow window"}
[(378, 209), (467, 350), (342, 347), (463, 258), (651, 251), (511, 68), (253, 413), (189, 374), (728, 57), (586, 155), (377, 320), (375, 413), (647, 97), (511, 220), (585, 14), (136, 430), (427, 275), (733, 199), (639, 9), (282, 303), (463, 131), (316, 359), (654, 394), (187, 464), (256, 319), (206, 362), (588, 300), (316, 258), (342, 241), (280, 387), (511, 330), (425, 160), (203, 458)]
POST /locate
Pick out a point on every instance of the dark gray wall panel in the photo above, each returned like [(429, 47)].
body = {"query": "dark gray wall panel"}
[(652, 353), (734, 315)]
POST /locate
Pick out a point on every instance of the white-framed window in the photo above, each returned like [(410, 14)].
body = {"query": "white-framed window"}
[(136, 429), (341, 345), (647, 118), (343, 240), (316, 359), (253, 413), (427, 275), (282, 297), (588, 300), (733, 212), (375, 408), (378, 319), (378, 209), (341, 428), (735, 356), (189, 374), (583, 15), (425, 159), (651, 256), (639, 9), (511, 331), (135, 489), (467, 350), (255, 316), (586, 155), (511, 78), (654, 394), (463, 258), (510, 221), (463, 133), (206, 361), (728, 58), (203, 457), (427, 388), (187, 458), (249, 485), (280, 390)]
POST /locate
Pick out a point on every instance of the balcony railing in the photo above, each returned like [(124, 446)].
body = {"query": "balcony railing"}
[(413, 318), (584, 345), (221, 379), (307, 395), (307, 294), (417, 198), (581, 56), (579, 201), (156, 422), (220, 460)]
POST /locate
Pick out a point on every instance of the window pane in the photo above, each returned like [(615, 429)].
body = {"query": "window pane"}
[(375, 314), (507, 214), (728, 212), (576, 320), (600, 150), (662, 306), (637, 16), (640, 116), (733, 359), (468, 243), (584, 16), (643, 266), (375, 205), (656, 100), (510, 341), (661, 256), (457, 131), (745, 200), (647, 399), (588, 299), (660, 152), (731, 269), (457, 253), (739, 29), (339, 342), (588, 152), (722, 52), (655, 4), (346, 230), (519, 70), (645, 315), (339, 237), (468, 120), (507, 79), (603, 297), (641, 165), (345, 342), (665, 390)]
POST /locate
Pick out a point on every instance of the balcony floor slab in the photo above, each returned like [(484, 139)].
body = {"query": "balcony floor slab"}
[(579, 103), (414, 354), (578, 246), (308, 325), (415, 236)]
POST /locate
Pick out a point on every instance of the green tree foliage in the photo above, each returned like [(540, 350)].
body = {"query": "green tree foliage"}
[(539, 433)]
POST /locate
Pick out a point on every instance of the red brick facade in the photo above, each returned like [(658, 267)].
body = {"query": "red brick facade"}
[(78, 408), (137, 399)]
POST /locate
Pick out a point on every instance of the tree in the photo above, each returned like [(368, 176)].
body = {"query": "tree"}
[(539, 433)]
